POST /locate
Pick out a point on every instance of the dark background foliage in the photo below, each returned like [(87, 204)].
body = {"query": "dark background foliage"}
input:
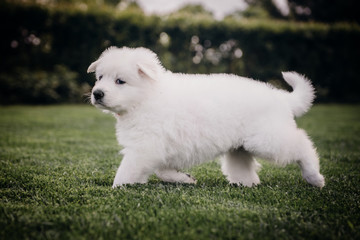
[(46, 50)]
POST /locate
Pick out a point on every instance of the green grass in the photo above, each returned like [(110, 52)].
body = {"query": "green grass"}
[(57, 164)]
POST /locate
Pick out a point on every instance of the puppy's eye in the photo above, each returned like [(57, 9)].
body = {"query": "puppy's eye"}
[(119, 81), (100, 77)]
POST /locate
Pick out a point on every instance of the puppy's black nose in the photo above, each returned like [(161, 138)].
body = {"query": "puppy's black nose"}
[(98, 94)]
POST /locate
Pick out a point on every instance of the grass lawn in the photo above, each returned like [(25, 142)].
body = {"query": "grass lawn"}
[(57, 164)]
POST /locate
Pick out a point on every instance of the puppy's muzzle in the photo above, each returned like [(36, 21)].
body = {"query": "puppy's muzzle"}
[(98, 94)]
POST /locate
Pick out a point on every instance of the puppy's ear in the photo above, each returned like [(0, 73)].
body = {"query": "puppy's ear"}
[(147, 71), (92, 66), (148, 64)]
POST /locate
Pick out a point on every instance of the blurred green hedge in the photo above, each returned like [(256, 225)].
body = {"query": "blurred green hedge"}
[(35, 39), (34, 87)]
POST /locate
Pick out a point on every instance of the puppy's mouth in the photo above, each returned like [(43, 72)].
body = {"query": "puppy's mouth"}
[(101, 105)]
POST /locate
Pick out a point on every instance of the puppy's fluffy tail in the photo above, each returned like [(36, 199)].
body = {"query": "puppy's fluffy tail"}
[(303, 94)]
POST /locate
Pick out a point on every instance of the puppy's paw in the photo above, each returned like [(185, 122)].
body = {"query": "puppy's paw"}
[(190, 179), (116, 186), (247, 182), (316, 179), (172, 175)]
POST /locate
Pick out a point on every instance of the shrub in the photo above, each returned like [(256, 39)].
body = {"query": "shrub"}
[(26, 86), (40, 38)]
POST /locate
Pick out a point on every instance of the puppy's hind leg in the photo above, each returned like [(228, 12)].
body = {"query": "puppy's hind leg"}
[(309, 161), (172, 175), (289, 145), (240, 167)]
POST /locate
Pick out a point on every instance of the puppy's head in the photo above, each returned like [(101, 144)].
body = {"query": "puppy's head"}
[(124, 76)]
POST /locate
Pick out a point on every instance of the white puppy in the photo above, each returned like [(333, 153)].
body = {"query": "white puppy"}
[(168, 121)]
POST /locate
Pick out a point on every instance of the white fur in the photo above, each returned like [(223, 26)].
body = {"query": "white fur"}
[(169, 121)]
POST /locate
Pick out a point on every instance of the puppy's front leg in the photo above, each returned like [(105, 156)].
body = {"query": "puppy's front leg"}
[(132, 170)]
